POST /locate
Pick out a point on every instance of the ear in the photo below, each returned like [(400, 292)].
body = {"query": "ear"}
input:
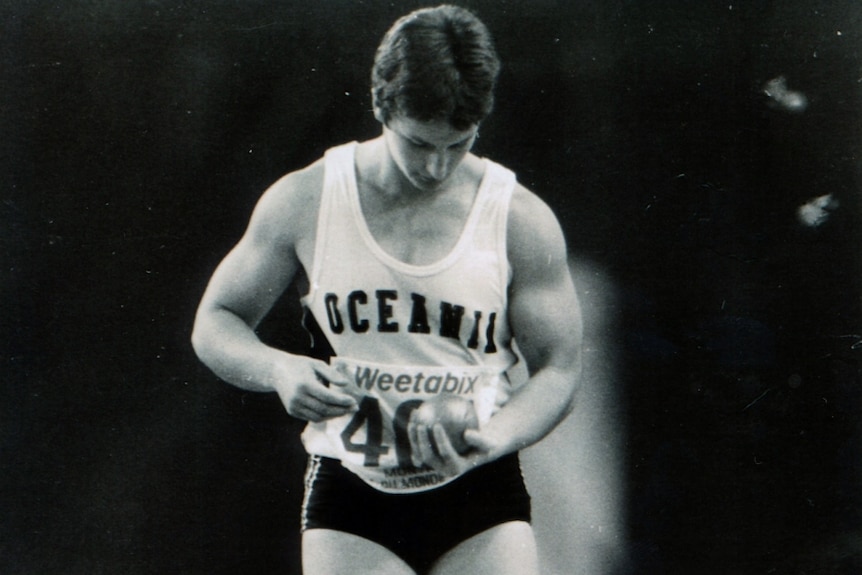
[(378, 115)]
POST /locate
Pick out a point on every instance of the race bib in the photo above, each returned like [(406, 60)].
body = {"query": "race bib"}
[(373, 442)]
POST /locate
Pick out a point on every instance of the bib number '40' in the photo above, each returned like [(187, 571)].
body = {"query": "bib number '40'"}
[(369, 415)]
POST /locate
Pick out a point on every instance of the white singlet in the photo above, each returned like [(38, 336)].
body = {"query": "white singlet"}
[(404, 333)]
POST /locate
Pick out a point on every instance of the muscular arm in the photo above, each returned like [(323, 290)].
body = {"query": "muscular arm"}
[(244, 288), (545, 316), (546, 320)]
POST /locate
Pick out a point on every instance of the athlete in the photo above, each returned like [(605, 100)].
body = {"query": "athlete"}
[(424, 264)]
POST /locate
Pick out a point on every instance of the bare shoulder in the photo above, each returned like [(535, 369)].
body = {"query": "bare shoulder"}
[(534, 238), (287, 210)]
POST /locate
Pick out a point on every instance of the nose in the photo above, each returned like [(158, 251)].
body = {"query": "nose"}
[(437, 165)]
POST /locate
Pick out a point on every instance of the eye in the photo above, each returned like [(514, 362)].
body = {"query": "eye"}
[(417, 144), (466, 143)]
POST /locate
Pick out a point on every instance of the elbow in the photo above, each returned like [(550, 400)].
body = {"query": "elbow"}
[(205, 348), (575, 373), (200, 341), (570, 401), (197, 341)]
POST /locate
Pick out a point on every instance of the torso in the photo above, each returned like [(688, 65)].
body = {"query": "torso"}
[(409, 292)]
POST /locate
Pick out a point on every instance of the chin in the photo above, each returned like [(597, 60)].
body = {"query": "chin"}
[(426, 184)]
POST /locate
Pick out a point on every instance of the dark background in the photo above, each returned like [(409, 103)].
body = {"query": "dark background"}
[(135, 138)]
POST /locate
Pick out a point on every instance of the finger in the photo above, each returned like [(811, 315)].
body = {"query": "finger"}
[(318, 410), (413, 437), (451, 461), (302, 412), (421, 450), (335, 379), (424, 445), (475, 439), (333, 396), (443, 443)]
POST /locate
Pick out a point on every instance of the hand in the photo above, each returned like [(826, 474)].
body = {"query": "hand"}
[(312, 390), (430, 445)]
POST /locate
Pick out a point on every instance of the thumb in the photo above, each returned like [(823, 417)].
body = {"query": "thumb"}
[(330, 374), (476, 439), (336, 379)]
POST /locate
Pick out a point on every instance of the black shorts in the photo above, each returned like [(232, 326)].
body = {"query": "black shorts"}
[(418, 527)]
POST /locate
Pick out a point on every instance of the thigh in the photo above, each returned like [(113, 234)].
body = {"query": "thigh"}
[(506, 549), (330, 552)]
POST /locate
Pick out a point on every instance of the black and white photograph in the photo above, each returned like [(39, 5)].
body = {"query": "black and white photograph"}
[(430, 288)]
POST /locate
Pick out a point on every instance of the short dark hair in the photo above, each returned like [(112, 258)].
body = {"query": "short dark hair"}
[(436, 64)]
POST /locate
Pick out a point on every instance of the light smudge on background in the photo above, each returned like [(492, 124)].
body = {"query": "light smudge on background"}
[(783, 98), (816, 212)]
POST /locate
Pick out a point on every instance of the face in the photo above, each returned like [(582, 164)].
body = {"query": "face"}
[(427, 153)]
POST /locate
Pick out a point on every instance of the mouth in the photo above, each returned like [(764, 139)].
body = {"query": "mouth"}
[(428, 183)]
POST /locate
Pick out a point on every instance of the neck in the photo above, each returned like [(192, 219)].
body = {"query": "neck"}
[(378, 171)]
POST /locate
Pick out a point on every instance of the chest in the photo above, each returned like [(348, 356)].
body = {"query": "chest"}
[(418, 232)]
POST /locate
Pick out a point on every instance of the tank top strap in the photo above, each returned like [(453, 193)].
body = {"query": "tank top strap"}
[(493, 201), (334, 216)]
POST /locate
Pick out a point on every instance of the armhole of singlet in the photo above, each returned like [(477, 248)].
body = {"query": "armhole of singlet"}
[(507, 188), (330, 176)]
